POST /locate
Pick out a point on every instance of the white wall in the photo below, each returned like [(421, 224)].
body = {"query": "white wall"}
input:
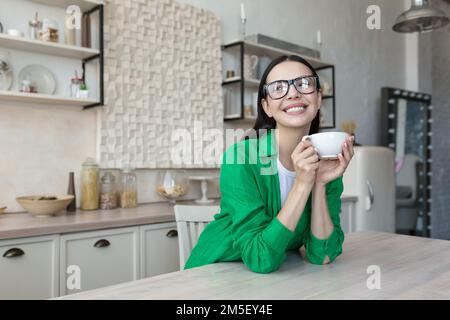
[(365, 60), (40, 145)]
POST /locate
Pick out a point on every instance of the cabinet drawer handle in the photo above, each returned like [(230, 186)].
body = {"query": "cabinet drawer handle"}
[(14, 252), (172, 234), (102, 243)]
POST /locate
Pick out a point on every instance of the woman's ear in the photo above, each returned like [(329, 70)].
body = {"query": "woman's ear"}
[(266, 108)]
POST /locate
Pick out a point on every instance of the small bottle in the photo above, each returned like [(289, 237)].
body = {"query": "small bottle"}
[(89, 185), (108, 193), (34, 26), (128, 188), (71, 191)]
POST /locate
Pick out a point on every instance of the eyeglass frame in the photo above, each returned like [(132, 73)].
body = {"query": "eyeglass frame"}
[(291, 82)]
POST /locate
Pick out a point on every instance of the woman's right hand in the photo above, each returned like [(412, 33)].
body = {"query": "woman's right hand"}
[(306, 162)]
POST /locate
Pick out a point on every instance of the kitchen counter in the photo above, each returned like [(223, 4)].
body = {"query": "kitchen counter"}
[(18, 225), (410, 268)]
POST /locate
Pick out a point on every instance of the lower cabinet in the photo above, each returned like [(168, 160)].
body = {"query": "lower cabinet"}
[(29, 268), (51, 266), (159, 249), (98, 259)]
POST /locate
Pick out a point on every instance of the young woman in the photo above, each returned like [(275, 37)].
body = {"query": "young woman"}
[(265, 213)]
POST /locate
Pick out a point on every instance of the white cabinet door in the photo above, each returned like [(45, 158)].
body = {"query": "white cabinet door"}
[(29, 268), (159, 249), (99, 258)]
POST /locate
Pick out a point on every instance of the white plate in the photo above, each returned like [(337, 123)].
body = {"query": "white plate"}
[(40, 77)]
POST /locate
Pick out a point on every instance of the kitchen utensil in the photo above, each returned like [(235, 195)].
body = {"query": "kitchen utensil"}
[(44, 206), (34, 27), (328, 144), (204, 187), (6, 75), (41, 78), (2, 209)]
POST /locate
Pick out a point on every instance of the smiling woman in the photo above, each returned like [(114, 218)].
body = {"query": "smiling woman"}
[(265, 213)]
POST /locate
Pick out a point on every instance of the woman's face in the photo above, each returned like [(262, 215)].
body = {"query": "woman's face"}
[(295, 109)]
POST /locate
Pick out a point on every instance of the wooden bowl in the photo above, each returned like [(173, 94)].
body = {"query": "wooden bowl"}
[(44, 206)]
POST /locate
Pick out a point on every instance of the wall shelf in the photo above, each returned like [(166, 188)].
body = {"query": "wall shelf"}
[(86, 55), (85, 5), (44, 47), (43, 98)]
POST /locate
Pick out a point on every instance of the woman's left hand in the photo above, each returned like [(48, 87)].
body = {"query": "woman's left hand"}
[(330, 170)]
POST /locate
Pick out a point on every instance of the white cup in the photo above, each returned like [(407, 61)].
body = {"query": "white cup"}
[(327, 144)]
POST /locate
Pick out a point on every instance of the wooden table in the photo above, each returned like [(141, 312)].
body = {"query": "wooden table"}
[(410, 268)]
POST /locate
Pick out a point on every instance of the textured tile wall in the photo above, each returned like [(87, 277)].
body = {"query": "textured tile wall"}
[(162, 72)]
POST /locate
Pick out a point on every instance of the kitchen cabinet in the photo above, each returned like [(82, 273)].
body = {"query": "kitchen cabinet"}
[(29, 268), (102, 258), (159, 249)]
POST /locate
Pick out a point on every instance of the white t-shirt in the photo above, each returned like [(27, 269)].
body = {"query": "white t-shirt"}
[(287, 179)]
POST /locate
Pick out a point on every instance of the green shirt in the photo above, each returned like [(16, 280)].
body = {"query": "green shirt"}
[(247, 227)]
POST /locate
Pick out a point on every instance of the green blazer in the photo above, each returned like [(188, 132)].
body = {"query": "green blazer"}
[(247, 228)]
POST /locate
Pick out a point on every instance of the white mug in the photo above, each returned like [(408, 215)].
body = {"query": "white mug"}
[(327, 144)]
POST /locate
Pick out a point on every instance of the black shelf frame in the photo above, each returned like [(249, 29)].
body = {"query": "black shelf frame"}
[(333, 96), (241, 81), (100, 56)]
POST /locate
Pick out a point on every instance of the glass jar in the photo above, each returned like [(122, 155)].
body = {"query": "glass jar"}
[(108, 192), (75, 85), (89, 185), (172, 184), (128, 188)]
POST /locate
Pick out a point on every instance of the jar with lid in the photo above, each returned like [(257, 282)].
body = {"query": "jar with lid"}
[(75, 87), (89, 185), (128, 188), (108, 192)]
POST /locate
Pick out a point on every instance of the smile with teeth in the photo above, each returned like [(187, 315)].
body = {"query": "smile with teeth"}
[(296, 109)]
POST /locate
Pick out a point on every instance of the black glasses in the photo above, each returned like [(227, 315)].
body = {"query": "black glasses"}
[(280, 88)]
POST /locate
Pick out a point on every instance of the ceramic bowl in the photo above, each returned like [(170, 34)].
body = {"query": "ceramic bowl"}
[(43, 206)]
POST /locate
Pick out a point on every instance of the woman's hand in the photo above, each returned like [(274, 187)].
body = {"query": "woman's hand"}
[(306, 161), (332, 169)]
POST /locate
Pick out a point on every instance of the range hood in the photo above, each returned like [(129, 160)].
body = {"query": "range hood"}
[(420, 18)]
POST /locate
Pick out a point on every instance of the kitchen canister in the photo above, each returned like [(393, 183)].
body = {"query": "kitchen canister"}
[(89, 185)]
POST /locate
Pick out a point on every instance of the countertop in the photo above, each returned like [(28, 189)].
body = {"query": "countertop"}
[(410, 268), (18, 225)]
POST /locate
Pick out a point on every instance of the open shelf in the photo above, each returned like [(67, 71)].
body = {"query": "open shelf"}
[(43, 98), (260, 50), (84, 5), (51, 48)]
